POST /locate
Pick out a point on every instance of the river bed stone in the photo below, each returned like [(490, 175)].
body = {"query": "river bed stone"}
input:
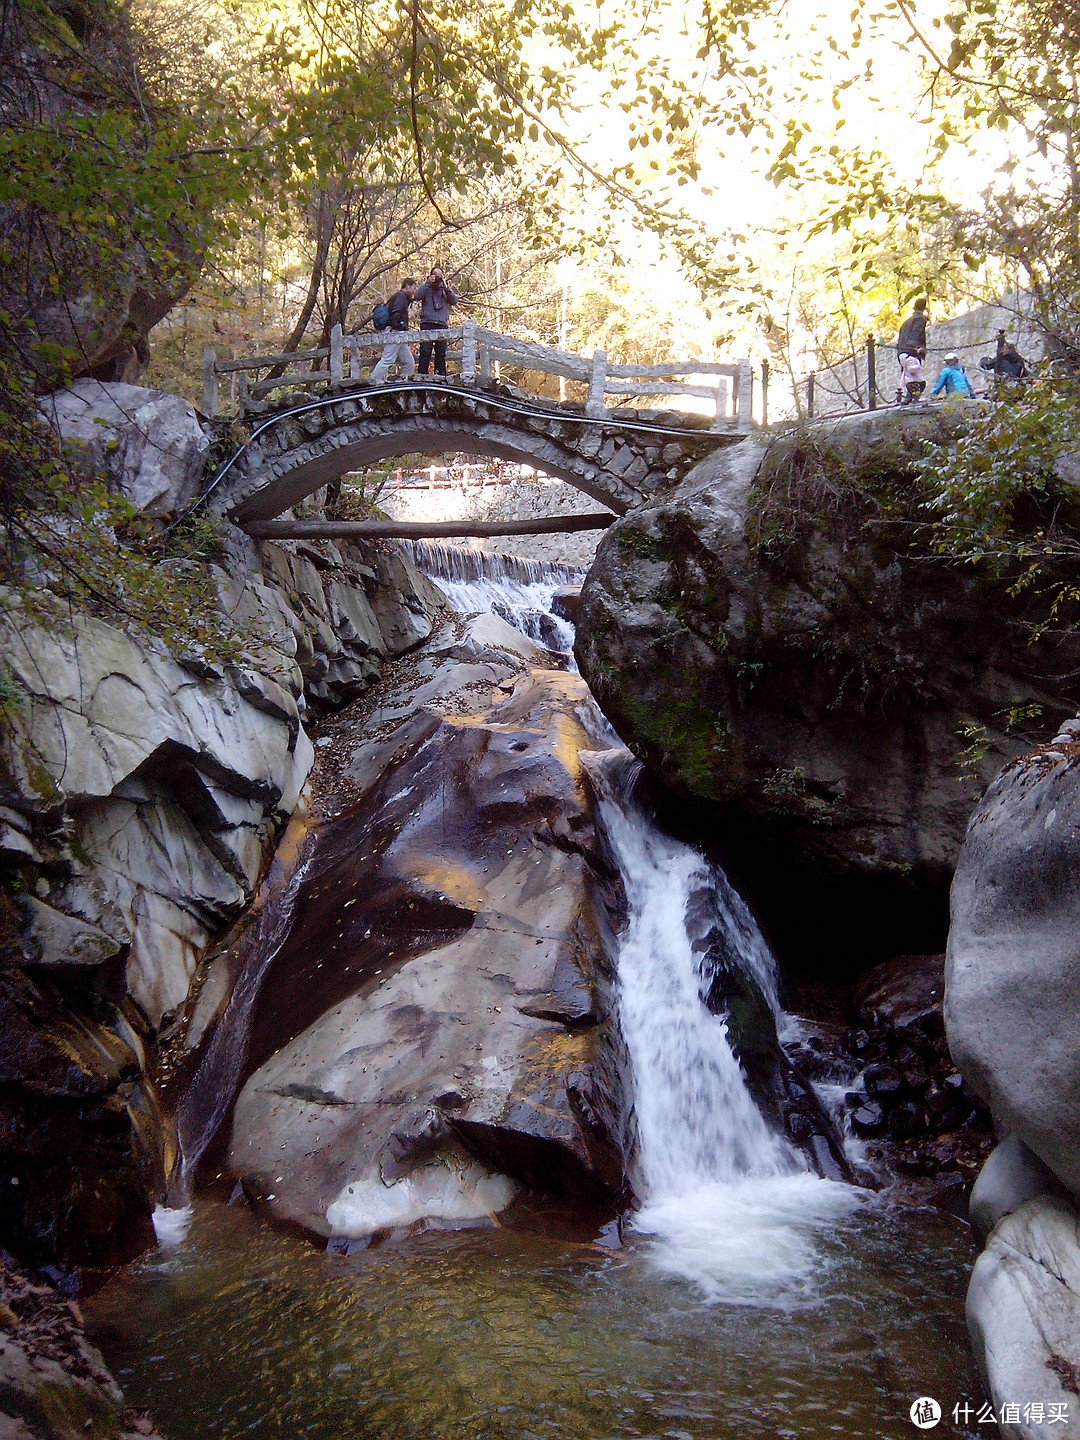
[(436, 1033)]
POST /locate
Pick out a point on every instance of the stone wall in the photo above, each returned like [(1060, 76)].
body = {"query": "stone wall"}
[(972, 335)]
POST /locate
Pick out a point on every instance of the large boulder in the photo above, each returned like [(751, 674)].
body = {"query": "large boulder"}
[(766, 640), (1012, 999), (1023, 1312), (149, 445), (434, 1036)]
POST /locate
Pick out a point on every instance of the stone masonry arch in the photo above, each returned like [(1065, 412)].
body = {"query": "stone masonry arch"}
[(619, 460)]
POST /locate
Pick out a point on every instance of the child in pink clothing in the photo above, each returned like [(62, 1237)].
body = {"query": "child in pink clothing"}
[(912, 379)]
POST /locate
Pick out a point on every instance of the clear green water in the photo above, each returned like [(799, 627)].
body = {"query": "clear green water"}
[(499, 1335)]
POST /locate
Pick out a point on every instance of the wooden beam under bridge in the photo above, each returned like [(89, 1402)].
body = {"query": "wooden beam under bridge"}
[(422, 529)]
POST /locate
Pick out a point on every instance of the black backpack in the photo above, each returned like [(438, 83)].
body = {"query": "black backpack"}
[(380, 316)]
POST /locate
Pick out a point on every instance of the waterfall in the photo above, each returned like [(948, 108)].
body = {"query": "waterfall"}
[(729, 1204), (516, 589), (464, 563), (213, 1088)]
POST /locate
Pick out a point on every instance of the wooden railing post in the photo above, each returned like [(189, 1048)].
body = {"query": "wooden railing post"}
[(209, 383), (355, 365), (595, 406), (485, 362), (468, 349), (744, 397), (337, 356), (764, 392), (242, 395), (720, 418)]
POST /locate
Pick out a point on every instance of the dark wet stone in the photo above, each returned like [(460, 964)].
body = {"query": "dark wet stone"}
[(905, 1119), (565, 601), (868, 1120), (883, 1083)]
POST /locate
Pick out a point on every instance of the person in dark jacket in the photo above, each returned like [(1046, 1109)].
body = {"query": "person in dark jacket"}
[(436, 298), (911, 352), (1012, 364), (395, 350)]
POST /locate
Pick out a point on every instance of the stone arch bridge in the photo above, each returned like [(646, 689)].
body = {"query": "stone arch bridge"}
[(619, 459)]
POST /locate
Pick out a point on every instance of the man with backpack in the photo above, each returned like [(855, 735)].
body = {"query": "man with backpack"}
[(395, 350), (435, 298)]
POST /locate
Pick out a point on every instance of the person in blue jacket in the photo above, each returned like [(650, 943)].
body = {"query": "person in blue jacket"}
[(953, 378)]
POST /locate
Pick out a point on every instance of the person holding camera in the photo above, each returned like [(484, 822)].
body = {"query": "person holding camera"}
[(436, 298)]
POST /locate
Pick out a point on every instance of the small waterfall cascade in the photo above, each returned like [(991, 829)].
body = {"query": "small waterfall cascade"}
[(697, 1121), (212, 1090), (729, 1204), (516, 589)]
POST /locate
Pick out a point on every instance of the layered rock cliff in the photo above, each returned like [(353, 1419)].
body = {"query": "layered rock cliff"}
[(770, 641), (141, 796)]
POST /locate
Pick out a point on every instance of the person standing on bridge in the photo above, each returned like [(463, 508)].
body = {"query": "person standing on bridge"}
[(436, 298), (395, 350)]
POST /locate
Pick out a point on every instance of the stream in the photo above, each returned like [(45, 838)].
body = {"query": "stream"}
[(746, 1297)]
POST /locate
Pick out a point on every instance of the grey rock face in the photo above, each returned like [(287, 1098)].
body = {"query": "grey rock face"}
[(809, 681), (150, 445), (436, 1032), (1010, 1178), (1023, 1311), (172, 786), (1012, 998)]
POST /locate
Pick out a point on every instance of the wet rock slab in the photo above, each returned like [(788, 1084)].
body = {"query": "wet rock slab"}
[(435, 1034)]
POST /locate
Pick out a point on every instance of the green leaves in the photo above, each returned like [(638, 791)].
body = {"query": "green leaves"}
[(1000, 499)]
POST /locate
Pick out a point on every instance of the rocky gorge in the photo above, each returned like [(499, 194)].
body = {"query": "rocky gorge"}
[(334, 926), (810, 687)]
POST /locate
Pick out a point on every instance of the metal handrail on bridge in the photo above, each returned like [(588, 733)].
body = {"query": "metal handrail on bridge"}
[(479, 350)]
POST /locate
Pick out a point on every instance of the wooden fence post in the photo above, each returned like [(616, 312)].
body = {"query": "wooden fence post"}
[(595, 406), (810, 395), (485, 362), (337, 356), (764, 392), (209, 383), (355, 367), (720, 405), (468, 349)]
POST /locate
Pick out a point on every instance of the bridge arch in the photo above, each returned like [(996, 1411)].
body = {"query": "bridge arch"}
[(618, 461)]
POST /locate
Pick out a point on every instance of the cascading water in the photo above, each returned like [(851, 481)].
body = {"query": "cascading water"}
[(517, 589), (730, 1203), (244, 1330)]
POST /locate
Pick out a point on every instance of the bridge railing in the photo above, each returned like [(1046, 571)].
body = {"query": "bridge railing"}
[(348, 360)]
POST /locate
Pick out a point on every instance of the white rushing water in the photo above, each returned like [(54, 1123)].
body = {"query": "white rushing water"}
[(518, 590), (729, 1204)]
